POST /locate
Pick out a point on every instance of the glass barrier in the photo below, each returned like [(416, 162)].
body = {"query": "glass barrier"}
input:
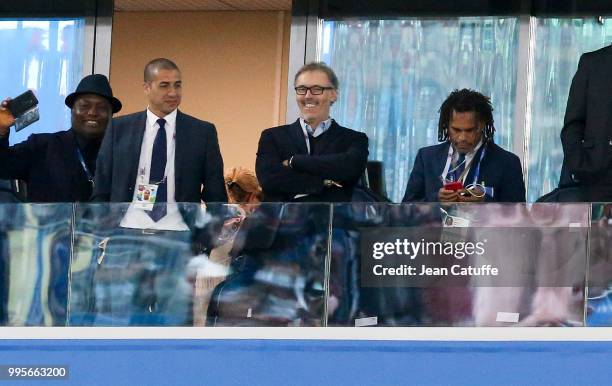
[(278, 269), (599, 275), (458, 265), (122, 275), (275, 264), (228, 265), (35, 247)]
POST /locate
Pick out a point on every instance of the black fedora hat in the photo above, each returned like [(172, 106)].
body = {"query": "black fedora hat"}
[(95, 84)]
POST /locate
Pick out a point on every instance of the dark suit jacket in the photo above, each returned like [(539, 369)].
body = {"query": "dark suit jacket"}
[(499, 169), (587, 128), (341, 155), (197, 160), (49, 164)]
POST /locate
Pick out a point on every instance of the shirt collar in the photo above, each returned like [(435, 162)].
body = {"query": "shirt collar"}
[(323, 127), (170, 119), (470, 155)]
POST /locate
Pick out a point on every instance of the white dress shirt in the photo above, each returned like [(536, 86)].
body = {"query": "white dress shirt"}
[(136, 217)]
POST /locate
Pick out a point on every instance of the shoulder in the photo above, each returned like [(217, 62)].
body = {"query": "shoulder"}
[(193, 122), (502, 154), (598, 56), (428, 151), (349, 132), (278, 130), (600, 52), (43, 139), (125, 119)]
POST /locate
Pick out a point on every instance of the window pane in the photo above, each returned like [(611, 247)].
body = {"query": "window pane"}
[(46, 56), (395, 74), (559, 44)]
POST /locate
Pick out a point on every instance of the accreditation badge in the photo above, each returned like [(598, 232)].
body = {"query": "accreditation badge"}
[(145, 196), (455, 227)]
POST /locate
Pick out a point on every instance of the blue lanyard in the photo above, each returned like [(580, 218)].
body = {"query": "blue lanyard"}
[(477, 171), (90, 176)]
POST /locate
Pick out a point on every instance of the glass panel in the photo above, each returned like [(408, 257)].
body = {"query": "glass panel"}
[(46, 56), (599, 283), (395, 74), (278, 269), (458, 265), (124, 276), (559, 44), (34, 263), (241, 265)]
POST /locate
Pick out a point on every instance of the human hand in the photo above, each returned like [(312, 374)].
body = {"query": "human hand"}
[(465, 196), (6, 118), (331, 183), (445, 195)]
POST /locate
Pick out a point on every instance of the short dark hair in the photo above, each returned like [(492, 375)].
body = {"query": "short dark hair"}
[(158, 64), (463, 101), (319, 66)]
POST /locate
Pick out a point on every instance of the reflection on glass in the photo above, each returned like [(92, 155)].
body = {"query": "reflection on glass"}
[(599, 283), (559, 44), (46, 56), (126, 277), (35, 245), (540, 252), (395, 74), (277, 272), (275, 264)]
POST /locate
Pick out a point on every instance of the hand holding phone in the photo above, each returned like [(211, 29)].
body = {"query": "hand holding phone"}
[(6, 119), (24, 108), (453, 185)]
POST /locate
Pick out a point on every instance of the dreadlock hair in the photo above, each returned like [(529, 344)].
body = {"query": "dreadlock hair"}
[(462, 101)]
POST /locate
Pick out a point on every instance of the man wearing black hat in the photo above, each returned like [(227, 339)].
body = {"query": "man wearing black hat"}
[(60, 167)]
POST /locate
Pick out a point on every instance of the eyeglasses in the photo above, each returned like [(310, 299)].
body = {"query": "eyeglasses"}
[(314, 90)]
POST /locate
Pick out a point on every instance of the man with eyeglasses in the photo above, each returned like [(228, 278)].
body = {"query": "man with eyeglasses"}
[(467, 166), (313, 159)]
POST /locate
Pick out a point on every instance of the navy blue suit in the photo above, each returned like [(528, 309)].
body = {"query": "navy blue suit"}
[(341, 155), (49, 165), (499, 169), (197, 160)]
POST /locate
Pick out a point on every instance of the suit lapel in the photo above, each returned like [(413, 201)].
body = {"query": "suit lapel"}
[(135, 134), (440, 161), (71, 160), (181, 143), (297, 137)]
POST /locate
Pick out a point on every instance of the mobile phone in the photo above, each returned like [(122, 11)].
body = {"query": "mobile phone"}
[(454, 186), (24, 109), (22, 104)]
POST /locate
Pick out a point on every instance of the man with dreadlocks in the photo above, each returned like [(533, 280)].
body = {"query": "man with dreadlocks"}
[(467, 166)]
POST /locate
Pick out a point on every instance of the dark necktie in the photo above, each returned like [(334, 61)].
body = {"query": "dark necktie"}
[(158, 171), (459, 167)]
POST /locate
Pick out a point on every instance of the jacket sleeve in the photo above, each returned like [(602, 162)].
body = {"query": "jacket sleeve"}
[(572, 133), (415, 189), (16, 161), (276, 178), (104, 167), (214, 184), (344, 166), (513, 189)]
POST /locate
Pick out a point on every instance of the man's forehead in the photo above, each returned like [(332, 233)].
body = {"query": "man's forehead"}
[(316, 76), (91, 98), (166, 76), (464, 117)]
